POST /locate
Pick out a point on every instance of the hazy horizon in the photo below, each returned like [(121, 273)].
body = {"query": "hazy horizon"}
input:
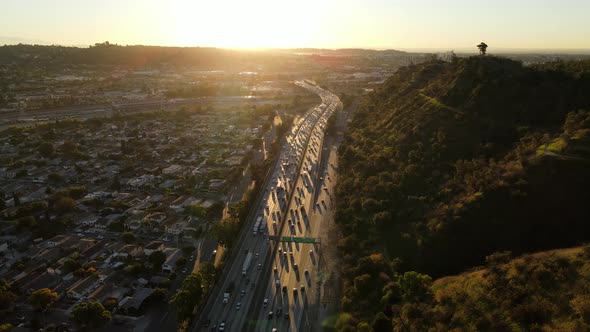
[(331, 24)]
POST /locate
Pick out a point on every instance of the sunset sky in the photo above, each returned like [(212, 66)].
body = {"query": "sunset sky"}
[(415, 24)]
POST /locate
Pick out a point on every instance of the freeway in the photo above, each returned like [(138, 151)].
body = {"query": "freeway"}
[(289, 191), (291, 296)]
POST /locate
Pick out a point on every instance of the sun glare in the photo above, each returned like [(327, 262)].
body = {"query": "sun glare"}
[(243, 24)]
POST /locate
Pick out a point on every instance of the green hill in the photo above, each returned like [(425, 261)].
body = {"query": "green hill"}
[(448, 163), (547, 291)]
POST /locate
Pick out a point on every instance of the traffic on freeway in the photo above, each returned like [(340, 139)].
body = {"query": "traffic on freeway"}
[(268, 278)]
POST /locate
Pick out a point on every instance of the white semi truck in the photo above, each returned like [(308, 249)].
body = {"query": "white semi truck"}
[(247, 262), (257, 225)]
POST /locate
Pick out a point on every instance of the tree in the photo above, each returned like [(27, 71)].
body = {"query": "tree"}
[(128, 237), (71, 265), (7, 296), (46, 149), (226, 231), (42, 299), (414, 286), (187, 297), (116, 184), (63, 205), (54, 177), (25, 223), (156, 259), (482, 48), (207, 274), (16, 199), (184, 303), (90, 314), (196, 211), (69, 148), (382, 323), (159, 294)]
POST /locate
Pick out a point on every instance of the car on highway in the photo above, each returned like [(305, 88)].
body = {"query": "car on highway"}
[(243, 292), (238, 305), (265, 303), (259, 266), (222, 326), (270, 314)]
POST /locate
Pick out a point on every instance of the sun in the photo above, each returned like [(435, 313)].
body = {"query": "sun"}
[(243, 24)]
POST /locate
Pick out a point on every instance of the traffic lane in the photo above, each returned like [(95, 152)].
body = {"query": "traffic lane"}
[(292, 282), (284, 264), (291, 201), (248, 283), (257, 273), (227, 282), (233, 270), (221, 311)]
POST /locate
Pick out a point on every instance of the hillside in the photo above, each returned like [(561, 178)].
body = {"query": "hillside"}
[(139, 56), (547, 291), (448, 163)]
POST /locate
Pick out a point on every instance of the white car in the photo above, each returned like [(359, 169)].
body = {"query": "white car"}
[(265, 303)]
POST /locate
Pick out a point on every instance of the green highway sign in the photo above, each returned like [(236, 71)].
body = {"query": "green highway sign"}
[(298, 239)]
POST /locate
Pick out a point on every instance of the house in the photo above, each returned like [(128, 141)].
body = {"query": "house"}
[(57, 240), (129, 250), (134, 303), (133, 225), (57, 268), (181, 202), (102, 223), (93, 251), (176, 226), (109, 292), (153, 246), (83, 287), (172, 256), (88, 221), (171, 170), (157, 218)]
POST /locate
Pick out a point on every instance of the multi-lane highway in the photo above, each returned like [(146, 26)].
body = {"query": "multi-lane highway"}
[(279, 275)]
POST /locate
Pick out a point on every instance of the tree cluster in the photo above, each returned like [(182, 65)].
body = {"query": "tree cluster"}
[(445, 164)]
